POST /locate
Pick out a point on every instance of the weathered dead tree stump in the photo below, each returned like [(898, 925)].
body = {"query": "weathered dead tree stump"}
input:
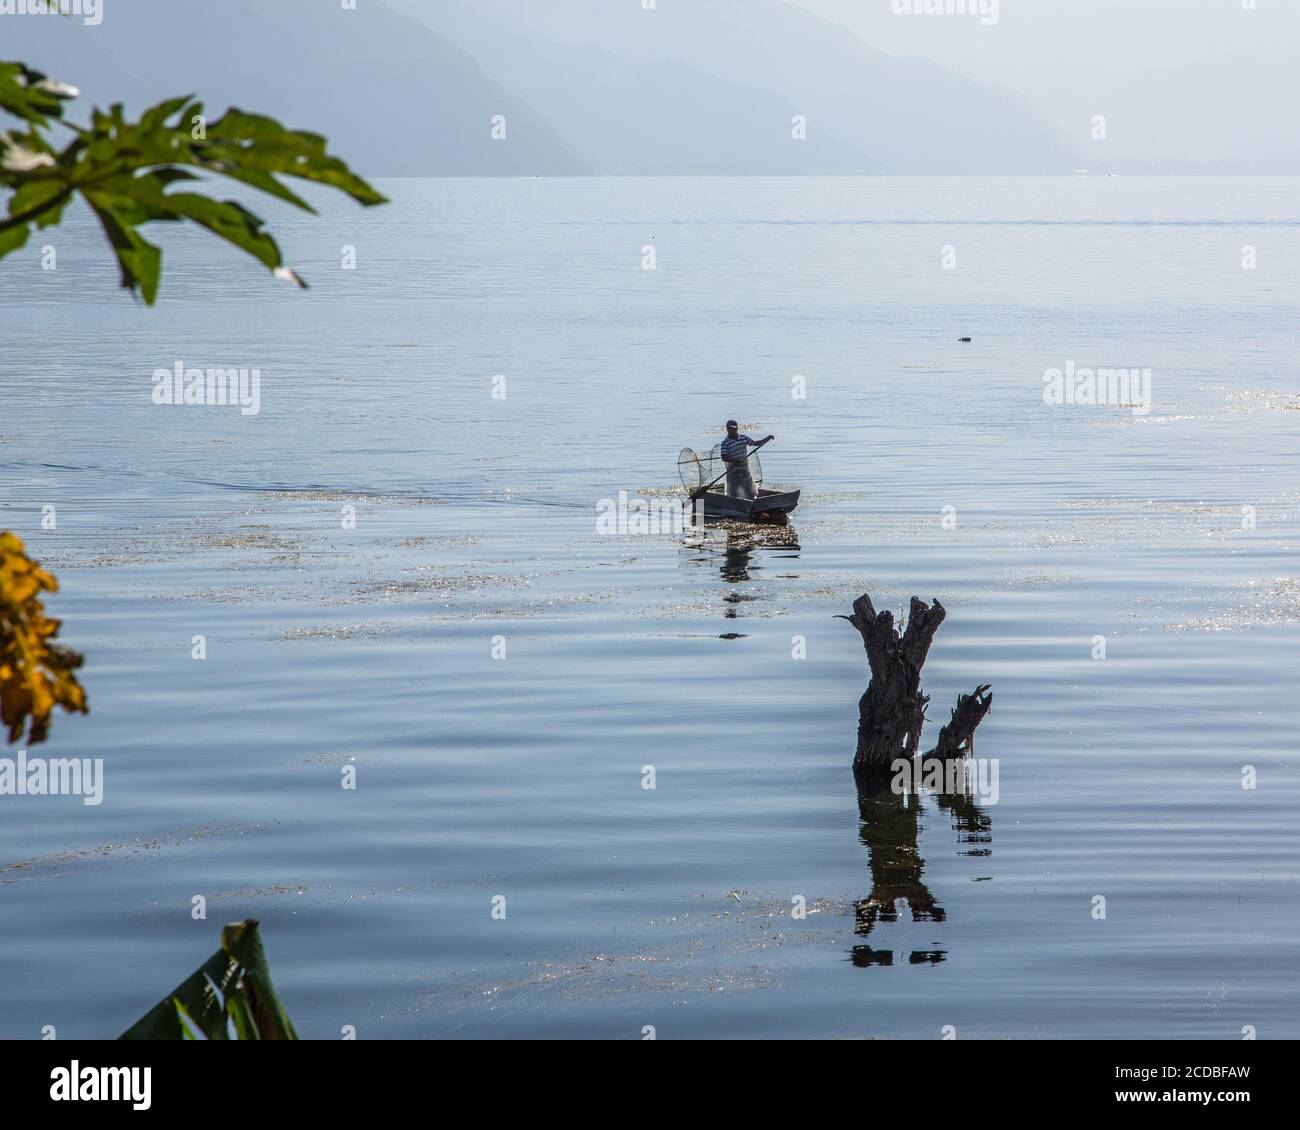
[(891, 713)]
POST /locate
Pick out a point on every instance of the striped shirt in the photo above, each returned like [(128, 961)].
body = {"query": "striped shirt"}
[(738, 448)]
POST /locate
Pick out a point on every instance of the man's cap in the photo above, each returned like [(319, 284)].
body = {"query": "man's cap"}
[(732, 424)]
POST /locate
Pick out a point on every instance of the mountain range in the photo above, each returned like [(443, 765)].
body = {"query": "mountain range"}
[(606, 87), (394, 98), (628, 85)]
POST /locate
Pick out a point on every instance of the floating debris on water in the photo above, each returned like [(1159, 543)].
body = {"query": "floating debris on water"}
[(1275, 602), (343, 632)]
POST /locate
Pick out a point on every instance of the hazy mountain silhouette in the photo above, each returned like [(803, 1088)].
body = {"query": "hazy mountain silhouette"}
[(641, 118), (709, 86), (908, 115), (393, 97)]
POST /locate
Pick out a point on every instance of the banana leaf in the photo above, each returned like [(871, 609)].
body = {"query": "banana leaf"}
[(230, 997)]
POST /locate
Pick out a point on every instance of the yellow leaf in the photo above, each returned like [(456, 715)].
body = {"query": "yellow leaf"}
[(35, 675)]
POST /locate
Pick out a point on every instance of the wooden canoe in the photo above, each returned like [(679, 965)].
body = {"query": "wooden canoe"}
[(772, 507)]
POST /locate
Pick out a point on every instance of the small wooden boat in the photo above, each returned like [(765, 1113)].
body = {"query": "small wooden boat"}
[(701, 475), (771, 507)]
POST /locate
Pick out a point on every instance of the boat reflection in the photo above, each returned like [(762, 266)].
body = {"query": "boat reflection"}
[(737, 556), (738, 549), (891, 822)]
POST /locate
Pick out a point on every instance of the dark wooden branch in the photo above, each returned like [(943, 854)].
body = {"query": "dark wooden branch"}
[(958, 737), (891, 713)]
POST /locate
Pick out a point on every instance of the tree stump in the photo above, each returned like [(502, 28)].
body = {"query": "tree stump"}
[(891, 713)]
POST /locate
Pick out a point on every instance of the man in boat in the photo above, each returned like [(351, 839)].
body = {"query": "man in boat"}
[(735, 455)]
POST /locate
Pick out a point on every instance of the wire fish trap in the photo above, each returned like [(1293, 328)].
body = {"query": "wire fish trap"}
[(698, 471), (690, 470)]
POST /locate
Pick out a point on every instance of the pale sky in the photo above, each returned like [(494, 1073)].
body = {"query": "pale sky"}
[(1192, 77)]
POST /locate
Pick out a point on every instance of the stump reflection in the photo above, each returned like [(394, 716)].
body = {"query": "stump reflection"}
[(892, 820)]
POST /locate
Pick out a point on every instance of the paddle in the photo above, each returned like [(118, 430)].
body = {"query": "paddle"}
[(702, 491)]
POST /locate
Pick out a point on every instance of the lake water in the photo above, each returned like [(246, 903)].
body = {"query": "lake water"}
[(929, 466)]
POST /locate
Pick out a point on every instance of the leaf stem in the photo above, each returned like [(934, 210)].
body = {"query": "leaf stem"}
[(34, 213)]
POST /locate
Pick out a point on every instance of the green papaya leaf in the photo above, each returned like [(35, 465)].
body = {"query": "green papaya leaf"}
[(13, 239), (45, 198), (139, 261), (31, 95), (127, 171)]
